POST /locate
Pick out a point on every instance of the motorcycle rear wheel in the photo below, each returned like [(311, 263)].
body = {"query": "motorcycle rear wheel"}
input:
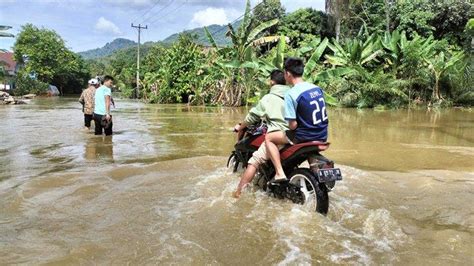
[(314, 193)]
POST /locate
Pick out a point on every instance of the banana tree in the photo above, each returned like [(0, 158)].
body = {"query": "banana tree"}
[(391, 46), (240, 58), (439, 65), (354, 52)]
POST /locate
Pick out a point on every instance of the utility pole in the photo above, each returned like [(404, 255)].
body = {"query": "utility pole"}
[(139, 27)]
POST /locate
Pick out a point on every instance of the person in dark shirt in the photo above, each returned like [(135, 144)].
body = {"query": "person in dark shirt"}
[(305, 111)]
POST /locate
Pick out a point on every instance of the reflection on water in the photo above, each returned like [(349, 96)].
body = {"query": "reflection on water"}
[(99, 148), (156, 191)]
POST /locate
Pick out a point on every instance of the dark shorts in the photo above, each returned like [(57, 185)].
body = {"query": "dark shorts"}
[(87, 120)]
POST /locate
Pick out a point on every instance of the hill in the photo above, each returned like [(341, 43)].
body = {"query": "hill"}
[(218, 32), (108, 49)]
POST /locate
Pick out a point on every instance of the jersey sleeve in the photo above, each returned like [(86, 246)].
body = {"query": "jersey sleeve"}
[(108, 92), (290, 108)]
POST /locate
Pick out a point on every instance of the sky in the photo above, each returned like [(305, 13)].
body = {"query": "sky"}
[(89, 24)]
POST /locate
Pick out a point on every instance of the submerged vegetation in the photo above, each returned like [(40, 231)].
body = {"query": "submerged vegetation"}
[(364, 54)]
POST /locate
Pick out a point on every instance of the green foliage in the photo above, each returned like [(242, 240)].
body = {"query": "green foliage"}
[(48, 58), (25, 85), (304, 24), (414, 17), (469, 28), (368, 15), (268, 10), (417, 61), (177, 71), (450, 18)]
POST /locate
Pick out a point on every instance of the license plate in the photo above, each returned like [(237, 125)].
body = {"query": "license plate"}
[(329, 174)]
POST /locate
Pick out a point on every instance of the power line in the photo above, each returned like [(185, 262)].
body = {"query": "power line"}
[(174, 10), (237, 19), (148, 10), (159, 11), (144, 14)]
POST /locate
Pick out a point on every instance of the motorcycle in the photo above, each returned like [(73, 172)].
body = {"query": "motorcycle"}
[(305, 185)]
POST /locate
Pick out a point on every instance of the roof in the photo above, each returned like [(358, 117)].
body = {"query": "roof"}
[(7, 58)]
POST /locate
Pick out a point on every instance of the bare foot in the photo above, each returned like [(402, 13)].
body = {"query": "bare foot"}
[(236, 194)]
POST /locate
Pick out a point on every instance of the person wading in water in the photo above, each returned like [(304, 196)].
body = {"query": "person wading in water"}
[(102, 117), (87, 101)]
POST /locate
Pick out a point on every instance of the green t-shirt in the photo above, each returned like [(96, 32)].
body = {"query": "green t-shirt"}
[(100, 93)]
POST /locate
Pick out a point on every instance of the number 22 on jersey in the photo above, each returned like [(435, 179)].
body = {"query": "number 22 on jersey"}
[(317, 110)]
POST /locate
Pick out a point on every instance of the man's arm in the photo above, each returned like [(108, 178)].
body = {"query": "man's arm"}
[(81, 99), (292, 124), (253, 117), (255, 114), (108, 96)]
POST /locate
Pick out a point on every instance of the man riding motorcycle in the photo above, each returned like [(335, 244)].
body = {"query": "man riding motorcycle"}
[(270, 109)]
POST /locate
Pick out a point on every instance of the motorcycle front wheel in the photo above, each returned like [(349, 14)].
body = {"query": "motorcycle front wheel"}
[(234, 163), (315, 195)]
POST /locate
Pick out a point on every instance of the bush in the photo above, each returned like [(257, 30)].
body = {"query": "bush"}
[(25, 85)]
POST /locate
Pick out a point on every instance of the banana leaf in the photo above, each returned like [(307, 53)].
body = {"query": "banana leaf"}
[(261, 27), (333, 73), (280, 53), (210, 38), (316, 56)]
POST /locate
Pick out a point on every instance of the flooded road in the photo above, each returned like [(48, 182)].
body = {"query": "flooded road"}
[(157, 191)]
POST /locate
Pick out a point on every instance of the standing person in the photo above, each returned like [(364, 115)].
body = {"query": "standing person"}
[(102, 117), (270, 109), (305, 111), (87, 101)]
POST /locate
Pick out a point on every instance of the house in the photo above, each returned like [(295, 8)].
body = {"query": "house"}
[(10, 68)]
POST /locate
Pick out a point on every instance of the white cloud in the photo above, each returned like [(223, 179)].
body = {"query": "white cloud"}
[(106, 26), (211, 16)]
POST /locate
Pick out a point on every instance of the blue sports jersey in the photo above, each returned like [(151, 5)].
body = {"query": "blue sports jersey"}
[(305, 104)]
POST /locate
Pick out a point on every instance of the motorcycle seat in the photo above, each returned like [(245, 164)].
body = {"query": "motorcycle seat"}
[(289, 150)]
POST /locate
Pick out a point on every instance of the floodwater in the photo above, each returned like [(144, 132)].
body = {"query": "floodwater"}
[(157, 192)]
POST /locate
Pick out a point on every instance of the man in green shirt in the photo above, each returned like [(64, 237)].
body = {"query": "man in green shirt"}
[(102, 117), (270, 109)]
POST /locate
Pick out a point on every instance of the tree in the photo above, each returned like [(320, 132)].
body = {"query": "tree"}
[(304, 24), (414, 17), (337, 11), (450, 17), (266, 11), (239, 62), (366, 15), (439, 65), (469, 29), (175, 76), (43, 53)]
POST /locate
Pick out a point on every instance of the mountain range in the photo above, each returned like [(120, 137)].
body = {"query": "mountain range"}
[(218, 32)]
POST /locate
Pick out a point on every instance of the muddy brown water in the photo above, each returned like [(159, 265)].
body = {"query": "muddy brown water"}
[(158, 192)]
